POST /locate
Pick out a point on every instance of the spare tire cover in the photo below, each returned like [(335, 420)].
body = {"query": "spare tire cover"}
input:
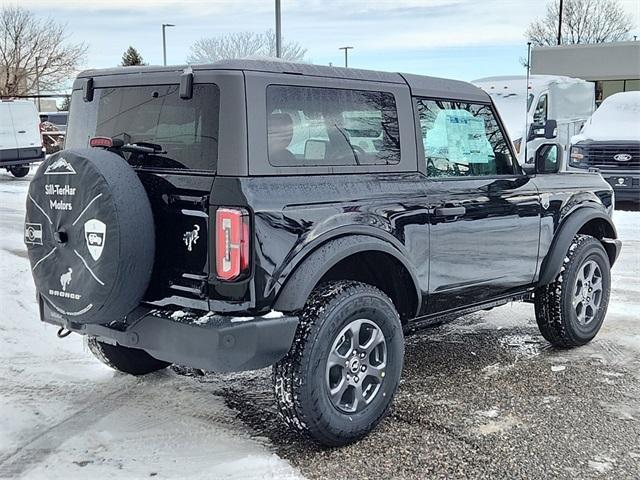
[(90, 235)]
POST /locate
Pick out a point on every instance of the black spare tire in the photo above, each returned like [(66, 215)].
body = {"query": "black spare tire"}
[(90, 235)]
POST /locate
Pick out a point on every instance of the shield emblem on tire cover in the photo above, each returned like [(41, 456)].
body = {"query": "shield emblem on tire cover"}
[(95, 234)]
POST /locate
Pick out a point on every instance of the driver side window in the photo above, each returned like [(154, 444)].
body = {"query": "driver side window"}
[(462, 140)]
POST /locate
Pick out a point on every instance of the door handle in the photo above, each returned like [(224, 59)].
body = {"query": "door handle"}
[(450, 211), (22, 131)]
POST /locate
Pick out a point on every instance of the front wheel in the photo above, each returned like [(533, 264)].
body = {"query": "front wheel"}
[(571, 309), (339, 378), (19, 171)]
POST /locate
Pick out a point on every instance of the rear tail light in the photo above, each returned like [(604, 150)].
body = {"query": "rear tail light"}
[(104, 142), (232, 242)]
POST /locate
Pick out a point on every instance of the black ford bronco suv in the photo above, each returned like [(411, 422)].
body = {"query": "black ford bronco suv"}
[(251, 213)]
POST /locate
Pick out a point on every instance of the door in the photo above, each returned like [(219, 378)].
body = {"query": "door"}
[(484, 212), (8, 142), (536, 125)]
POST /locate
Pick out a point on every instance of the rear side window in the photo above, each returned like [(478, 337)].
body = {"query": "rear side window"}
[(462, 140), (187, 130), (310, 126)]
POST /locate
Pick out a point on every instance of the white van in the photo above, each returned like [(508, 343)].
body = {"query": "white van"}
[(20, 139), (550, 107)]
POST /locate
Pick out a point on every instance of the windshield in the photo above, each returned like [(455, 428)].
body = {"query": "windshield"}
[(186, 129)]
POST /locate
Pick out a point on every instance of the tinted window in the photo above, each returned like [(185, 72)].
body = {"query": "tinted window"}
[(187, 130), (462, 139), (540, 114), (323, 126)]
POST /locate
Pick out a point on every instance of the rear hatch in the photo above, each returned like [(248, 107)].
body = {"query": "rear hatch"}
[(19, 130), (7, 132), (178, 179)]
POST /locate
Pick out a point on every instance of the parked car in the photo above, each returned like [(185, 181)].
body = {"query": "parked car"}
[(610, 141), (553, 107), (20, 140), (244, 214)]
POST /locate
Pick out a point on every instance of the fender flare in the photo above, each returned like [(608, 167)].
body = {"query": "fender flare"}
[(552, 263), (299, 284)]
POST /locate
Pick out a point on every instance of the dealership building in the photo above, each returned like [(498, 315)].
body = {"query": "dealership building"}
[(614, 67)]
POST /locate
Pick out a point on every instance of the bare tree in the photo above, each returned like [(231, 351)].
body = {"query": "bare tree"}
[(34, 53), (583, 21), (243, 44)]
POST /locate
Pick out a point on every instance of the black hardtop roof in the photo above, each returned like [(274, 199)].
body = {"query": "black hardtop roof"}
[(420, 85)]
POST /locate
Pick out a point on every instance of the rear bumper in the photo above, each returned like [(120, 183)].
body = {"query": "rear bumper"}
[(212, 342), (20, 156)]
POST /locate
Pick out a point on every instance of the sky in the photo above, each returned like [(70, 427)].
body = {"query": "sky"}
[(462, 39)]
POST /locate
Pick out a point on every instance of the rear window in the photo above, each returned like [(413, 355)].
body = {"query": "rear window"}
[(187, 129), (309, 126)]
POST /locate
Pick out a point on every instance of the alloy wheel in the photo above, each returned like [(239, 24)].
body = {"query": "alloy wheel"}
[(356, 366)]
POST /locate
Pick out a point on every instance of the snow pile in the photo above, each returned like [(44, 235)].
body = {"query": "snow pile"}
[(618, 118)]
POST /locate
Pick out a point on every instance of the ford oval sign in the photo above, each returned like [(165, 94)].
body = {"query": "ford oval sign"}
[(622, 157)]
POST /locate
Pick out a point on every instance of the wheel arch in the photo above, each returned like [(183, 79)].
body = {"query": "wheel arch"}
[(588, 221), (353, 257)]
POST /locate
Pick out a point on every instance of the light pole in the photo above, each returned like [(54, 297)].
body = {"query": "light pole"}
[(38, 83), (346, 55), (164, 42), (560, 24), (278, 30)]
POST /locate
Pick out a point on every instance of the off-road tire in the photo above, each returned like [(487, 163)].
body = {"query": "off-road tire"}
[(19, 171), (299, 379), (555, 313), (124, 359)]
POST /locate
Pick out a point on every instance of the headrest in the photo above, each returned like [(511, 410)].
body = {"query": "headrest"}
[(280, 131)]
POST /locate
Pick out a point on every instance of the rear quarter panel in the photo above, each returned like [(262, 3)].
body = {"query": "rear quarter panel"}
[(292, 216)]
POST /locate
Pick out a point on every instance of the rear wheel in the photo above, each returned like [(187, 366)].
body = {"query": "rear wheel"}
[(124, 359), (571, 309), (338, 380), (19, 171)]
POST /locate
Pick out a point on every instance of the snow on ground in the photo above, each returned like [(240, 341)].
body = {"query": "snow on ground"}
[(65, 415)]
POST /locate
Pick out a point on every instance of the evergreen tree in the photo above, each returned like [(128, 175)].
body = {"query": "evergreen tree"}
[(132, 57)]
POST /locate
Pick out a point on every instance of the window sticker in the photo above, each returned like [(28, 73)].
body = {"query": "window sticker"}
[(460, 137)]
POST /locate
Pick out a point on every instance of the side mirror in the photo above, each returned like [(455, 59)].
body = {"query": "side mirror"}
[(550, 129), (547, 158)]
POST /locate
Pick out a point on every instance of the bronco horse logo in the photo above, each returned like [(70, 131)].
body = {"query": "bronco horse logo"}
[(190, 238), (65, 279)]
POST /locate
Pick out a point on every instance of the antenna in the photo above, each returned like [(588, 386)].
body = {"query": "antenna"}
[(525, 134)]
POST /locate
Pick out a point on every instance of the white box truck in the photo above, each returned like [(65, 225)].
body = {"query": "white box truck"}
[(20, 139), (549, 108)]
